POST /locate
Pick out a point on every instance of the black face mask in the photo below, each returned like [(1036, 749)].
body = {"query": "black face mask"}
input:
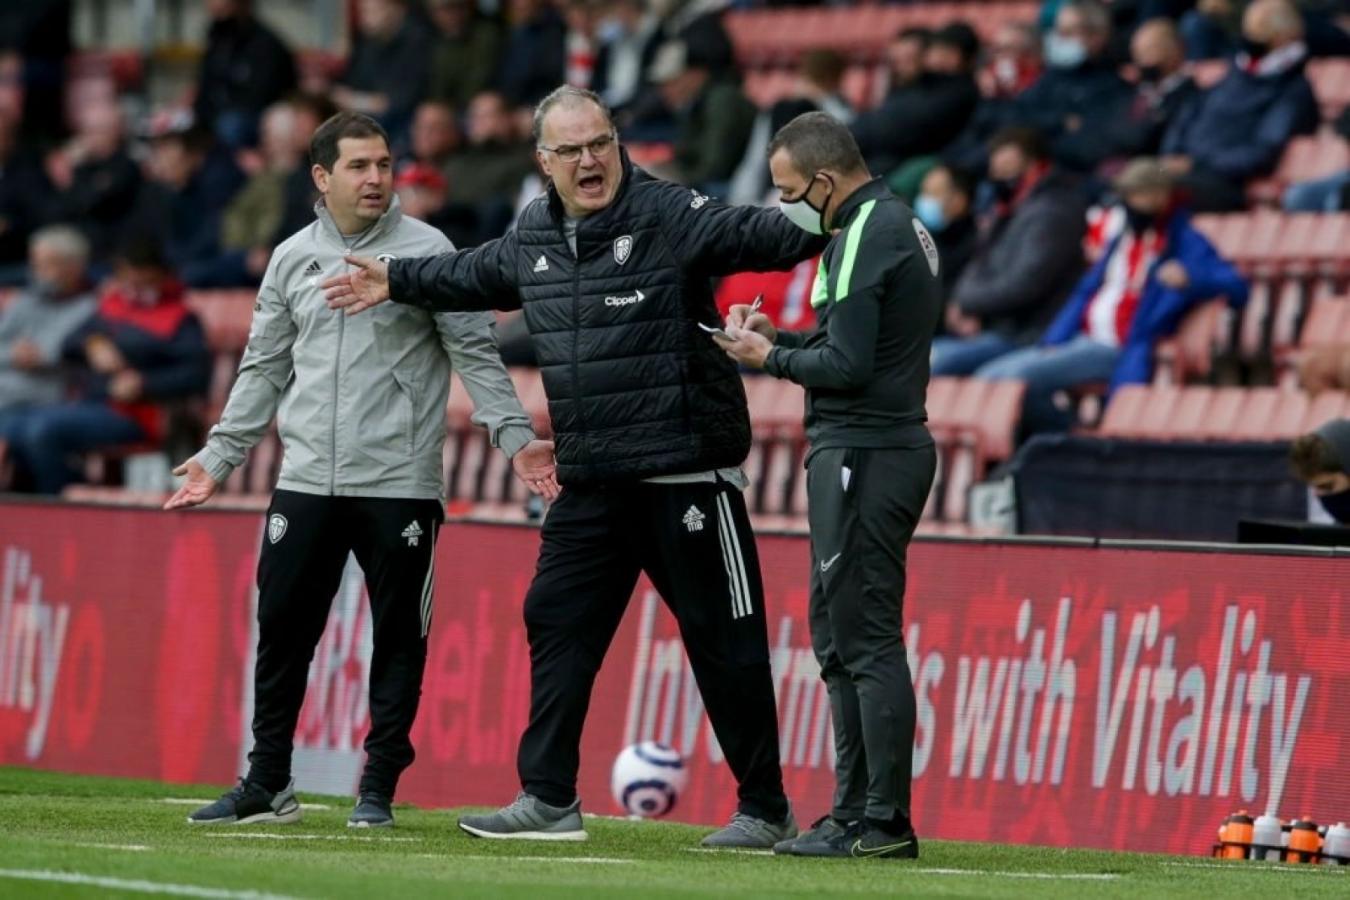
[(1150, 74), (1337, 505), (1255, 49), (1138, 220), (1005, 188)]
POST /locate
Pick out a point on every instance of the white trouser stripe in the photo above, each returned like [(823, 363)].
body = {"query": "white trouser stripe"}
[(732, 582), (427, 586), (737, 559)]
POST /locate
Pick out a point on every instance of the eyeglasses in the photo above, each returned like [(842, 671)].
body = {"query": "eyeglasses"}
[(570, 153)]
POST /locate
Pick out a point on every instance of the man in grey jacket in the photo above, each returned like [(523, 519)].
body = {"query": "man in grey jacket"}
[(57, 301), (361, 410)]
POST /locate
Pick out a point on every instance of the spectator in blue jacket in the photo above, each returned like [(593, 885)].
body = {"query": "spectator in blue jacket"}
[(1238, 129), (142, 349), (1141, 288)]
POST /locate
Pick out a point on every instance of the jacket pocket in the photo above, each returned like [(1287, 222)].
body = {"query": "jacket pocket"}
[(407, 415)]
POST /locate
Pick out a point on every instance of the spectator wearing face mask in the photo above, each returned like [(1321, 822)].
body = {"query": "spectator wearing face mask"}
[(1081, 94), (1014, 64), (1027, 258), (35, 324), (1150, 275), (945, 205), (1321, 460), (1164, 90), (1238, 129), (925, 114), (141, 349)]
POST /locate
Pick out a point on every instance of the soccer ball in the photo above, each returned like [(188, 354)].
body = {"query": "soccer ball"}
[(648, 778)]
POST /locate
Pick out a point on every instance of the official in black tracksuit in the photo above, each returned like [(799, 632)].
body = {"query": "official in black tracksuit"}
[(612, 269), (877, 299)]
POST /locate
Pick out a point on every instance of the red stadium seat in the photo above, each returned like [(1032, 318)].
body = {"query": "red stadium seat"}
[(1189, 354), (1324, 407), (1124, 411), (1331, 83), (1223, 414)]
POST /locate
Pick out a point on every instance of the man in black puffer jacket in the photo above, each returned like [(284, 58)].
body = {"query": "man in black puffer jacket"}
[(612, 270)]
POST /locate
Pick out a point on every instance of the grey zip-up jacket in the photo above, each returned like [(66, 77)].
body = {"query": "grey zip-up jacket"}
[(360, 400)]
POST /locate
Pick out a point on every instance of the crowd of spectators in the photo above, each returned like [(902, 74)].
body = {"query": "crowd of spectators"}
[(1002, 146)]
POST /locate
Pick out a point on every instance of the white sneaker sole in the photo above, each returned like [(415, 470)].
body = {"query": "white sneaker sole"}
[(267, 818), (526, 835), (388, 824)]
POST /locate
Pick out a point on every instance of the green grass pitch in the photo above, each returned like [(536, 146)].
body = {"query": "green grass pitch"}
[(74, 836)]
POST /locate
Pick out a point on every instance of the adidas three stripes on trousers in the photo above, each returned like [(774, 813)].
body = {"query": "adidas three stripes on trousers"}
[(694, 541)]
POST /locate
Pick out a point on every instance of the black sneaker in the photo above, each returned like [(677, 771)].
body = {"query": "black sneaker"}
[(823, 829), (372, 811), (250, 804), (863, 841)]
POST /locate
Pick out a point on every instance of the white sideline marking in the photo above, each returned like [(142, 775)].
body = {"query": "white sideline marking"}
[(513, 859), (194, 801), (1341, 871), (738, 851), (136, 847), (139, 885), (267, 836), (1044, 876)]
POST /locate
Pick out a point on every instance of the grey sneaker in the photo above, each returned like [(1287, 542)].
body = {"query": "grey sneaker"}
[(745, 832), (372, 811), (824, 829), (528, 819), (250, 804)]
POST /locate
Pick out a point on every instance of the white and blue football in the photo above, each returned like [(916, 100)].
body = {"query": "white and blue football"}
[(648, 779)]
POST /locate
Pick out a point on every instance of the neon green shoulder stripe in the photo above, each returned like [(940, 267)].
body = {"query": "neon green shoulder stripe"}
[(851, 242), (820, 292)]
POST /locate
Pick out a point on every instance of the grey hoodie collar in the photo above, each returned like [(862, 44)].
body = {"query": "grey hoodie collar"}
[(385, 224), (1337, 434)]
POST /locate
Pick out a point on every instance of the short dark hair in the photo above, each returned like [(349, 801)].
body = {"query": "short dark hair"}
[(142, 250), (816, 141), (323, 147), (1029, 140), (961, 37), (1312, 455), (962, 179)]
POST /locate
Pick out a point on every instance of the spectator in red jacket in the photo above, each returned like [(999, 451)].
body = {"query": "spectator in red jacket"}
[(141, 349)]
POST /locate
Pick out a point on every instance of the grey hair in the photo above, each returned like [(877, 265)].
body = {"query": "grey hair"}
[(1096, 17), (817, 141), (567, 95), (65, 240)]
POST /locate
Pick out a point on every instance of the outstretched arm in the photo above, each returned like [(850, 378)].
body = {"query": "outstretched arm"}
[(461, 281)]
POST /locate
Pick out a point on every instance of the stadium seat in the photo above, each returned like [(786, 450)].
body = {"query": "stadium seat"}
[(1323, 408), (1189, 354), (1331, 83), (1306, 158), (1124, 411)]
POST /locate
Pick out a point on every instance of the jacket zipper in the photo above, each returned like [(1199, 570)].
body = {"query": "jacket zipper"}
[(576, 337), (337, 375)]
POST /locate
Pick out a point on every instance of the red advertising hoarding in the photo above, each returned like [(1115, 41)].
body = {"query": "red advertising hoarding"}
[(1067, 695)]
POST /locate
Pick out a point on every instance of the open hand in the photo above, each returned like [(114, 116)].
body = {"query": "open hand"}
[(366, 286), (535, 466), (196, 490), (749, 348), (1174, 275)]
